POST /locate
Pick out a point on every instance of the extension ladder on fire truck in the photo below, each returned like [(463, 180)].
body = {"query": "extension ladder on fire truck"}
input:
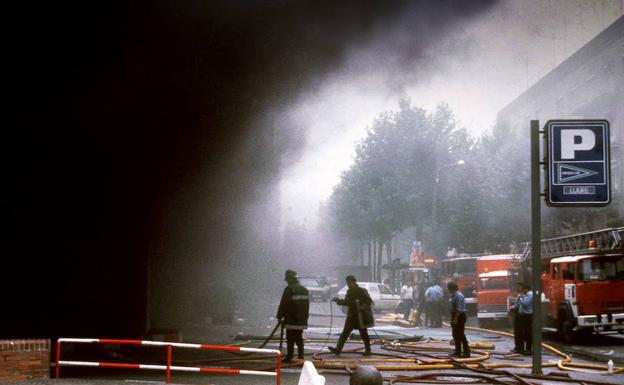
[(590, 242)]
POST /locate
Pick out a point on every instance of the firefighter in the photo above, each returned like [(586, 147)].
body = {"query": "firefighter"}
[(293, 312), (359, 315), (458, 320), (523, 321)]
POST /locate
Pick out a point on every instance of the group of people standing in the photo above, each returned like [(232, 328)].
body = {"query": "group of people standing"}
[(294, 310), (431, 301), (428, 300)]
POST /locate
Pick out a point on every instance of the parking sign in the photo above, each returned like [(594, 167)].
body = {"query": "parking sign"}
[(578, 163)]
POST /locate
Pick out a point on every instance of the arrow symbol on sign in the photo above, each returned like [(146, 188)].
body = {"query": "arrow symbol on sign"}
[(569, 173)]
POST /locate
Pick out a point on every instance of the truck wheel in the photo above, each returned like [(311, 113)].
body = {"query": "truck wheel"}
[(566, 330)]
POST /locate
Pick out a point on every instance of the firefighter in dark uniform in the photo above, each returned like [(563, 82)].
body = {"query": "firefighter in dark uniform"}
[(359, 316), (293, 312)]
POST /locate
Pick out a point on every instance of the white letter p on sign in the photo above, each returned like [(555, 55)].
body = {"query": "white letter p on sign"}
[(568, 147)]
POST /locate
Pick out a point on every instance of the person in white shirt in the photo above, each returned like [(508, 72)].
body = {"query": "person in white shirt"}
[(407, 298)]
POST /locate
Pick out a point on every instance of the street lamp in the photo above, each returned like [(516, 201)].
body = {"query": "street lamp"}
[(434, 203)]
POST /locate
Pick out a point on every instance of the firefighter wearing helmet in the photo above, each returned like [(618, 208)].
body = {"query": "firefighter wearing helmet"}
[(293, 312), (359, 315)]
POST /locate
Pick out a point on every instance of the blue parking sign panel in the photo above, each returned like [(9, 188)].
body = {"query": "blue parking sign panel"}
[(578, 163)]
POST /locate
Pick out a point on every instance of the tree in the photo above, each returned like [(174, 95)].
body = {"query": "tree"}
[(391, 184)]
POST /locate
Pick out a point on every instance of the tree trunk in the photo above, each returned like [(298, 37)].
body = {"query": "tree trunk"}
[(375, 257), (380, 244), (361, 252), (370, 255)]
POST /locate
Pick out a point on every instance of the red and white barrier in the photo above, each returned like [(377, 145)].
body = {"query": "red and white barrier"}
[(168, 368)]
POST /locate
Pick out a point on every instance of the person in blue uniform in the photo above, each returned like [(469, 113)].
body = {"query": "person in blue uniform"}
[(359, 315), (523, 323), (434, 296), (457, 310), (293, 312)]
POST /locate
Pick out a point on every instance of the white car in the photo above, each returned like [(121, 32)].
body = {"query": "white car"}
[(318, 288), (382, 296)]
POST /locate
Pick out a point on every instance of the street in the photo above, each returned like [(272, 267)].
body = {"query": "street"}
[(599, 347), (325, 324)]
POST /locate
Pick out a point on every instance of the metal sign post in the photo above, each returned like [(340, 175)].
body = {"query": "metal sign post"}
[(578, 175), (536, 235)]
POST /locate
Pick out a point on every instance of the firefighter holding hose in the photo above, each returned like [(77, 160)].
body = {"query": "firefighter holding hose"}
[(293, 312), (359, 315)]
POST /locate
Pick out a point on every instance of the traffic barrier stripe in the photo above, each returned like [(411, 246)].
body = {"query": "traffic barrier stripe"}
[(174, 344), (168, 368), (164, 367), (124, 342)]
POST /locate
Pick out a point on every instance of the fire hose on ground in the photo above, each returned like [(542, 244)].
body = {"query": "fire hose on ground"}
[(399, 362), (416, 356)]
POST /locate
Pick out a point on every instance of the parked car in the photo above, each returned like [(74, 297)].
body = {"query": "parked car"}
[(317, 286), (334, 286), (382, 296)]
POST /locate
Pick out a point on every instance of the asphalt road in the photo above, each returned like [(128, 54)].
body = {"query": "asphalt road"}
[(326, 320), (599, 348), (259, 321)]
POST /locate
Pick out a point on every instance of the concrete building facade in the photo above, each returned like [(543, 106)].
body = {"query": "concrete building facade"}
[(587, 85)]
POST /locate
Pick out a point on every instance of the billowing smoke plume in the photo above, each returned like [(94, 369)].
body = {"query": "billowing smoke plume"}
[(147, 138)]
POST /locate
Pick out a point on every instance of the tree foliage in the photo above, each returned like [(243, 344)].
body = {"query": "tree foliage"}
[(422, 171), (390, 186)]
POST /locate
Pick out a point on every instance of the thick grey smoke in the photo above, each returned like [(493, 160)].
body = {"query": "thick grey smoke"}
[(148, 138), (264, 58)]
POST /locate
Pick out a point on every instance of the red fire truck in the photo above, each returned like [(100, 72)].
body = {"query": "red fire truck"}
[(497, 277), (463, 271), (582, 282)]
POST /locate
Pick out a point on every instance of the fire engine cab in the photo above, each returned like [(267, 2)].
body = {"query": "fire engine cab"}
[(463, 271), (497, 275), (583, 282)]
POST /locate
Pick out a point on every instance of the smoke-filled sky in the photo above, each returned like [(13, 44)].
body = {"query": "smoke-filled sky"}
[(151, 146), (477, 65)]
